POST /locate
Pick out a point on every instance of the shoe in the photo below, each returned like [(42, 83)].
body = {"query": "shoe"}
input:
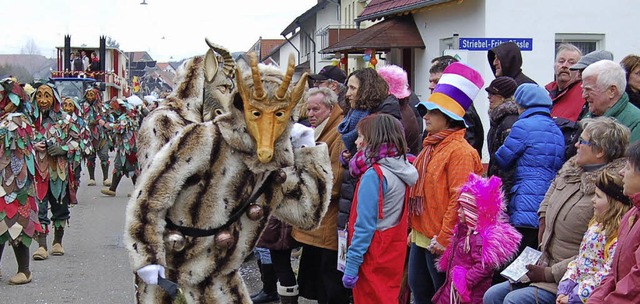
[(57, 249), (106, 182), (40, 254), (20, 278), (107, 191), (91, 182), (263, 297)]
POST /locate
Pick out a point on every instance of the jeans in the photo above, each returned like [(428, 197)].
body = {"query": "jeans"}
[(424, 278), (508, 293)]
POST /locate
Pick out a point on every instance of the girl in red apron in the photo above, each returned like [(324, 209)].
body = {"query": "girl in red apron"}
[(379, 215)]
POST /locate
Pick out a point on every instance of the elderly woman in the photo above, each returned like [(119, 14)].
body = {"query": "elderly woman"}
[(631, 65), (503, 113), (566, 211)]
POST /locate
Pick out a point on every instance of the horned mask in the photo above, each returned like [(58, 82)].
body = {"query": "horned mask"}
[(268, 102)]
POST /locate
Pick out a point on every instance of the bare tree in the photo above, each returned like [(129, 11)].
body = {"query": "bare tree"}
[(30, 48), (112, 43)]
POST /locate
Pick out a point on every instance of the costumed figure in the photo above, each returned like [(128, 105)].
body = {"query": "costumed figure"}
[(95, 116), (123, 127), (55, 146), (482, 241), (83, 148), (18, 205), (217, 161)]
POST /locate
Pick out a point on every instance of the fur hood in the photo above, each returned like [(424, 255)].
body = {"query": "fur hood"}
[(572, 172)]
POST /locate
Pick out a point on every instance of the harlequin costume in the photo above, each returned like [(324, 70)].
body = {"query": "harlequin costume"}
[(93, 112), (80, 149), (54, 129), (123, 127), (18, 206), (217, 161)]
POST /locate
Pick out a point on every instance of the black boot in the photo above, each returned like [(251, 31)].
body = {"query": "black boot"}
[(92, 174), (111, 191), (56, 248), (288, 294), (269, 280), (1, 250), (41, 253), (22, 257), (105, 175)]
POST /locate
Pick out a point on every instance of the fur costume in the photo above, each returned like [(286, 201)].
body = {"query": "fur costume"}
[(474, 254), (200, 163)]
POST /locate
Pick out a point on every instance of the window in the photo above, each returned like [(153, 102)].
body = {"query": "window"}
[(587, 43)]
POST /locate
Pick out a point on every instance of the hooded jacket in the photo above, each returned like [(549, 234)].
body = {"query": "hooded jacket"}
[(511, 61)]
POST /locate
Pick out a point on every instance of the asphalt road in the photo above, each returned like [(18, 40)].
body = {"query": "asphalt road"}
[(95, 268)]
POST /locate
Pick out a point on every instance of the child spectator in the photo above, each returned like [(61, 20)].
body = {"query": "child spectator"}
[(379, 214), (482, 241), (593, 262)]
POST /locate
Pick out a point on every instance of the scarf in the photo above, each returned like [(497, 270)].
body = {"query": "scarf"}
[(364, 159), (416, 198), (347, 128)]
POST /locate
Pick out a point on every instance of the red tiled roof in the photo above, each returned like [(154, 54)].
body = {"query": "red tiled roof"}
[(381, 8), (267, 45)]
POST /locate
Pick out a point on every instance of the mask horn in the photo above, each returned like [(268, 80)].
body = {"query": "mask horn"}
[(258, 90), (282, 90)]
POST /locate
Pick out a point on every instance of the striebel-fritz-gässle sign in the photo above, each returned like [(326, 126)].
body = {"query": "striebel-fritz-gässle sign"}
[(485, 44)]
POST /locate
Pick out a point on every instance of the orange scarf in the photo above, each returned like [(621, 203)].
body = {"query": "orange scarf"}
[(416, 199)]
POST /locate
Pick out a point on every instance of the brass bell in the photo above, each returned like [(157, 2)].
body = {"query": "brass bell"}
[(224, 239), (175, 241), (255, 212)]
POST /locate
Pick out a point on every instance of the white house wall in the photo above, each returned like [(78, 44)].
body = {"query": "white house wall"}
[(540, 20)]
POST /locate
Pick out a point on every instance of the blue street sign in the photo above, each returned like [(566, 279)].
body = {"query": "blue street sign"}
[(485, 44)]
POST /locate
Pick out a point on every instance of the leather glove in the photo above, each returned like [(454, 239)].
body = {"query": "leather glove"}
[(536, 273), (349, 281), (55, 150), (302, 136), (149, 274)]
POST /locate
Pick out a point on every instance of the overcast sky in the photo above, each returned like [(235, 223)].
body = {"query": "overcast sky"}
[(164, 28)]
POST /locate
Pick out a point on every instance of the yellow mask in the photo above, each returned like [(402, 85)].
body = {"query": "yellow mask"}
[(268, 105), (44, 97), (68, 105)]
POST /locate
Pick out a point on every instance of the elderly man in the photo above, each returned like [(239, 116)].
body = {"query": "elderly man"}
[(565, 91), (318, 276), (603, 86)]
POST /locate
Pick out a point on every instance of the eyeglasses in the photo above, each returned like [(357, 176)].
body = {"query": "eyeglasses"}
[(584, 142), (317, 83)]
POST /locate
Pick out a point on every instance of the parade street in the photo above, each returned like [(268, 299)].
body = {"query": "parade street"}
[(95, 268)]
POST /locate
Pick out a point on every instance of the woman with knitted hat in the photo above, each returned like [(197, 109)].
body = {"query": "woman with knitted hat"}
[(482, 241), (396, 77), (443, 166), (503, 113), (535, 151)]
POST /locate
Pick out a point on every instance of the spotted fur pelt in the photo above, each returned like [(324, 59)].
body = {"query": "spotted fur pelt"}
[(198, 166)]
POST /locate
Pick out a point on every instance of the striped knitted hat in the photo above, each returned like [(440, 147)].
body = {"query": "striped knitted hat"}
[(455, 91), (468, 203)]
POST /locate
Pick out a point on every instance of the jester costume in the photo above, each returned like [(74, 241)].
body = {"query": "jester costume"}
[(217, 160), (57, 138), (18, 205), (79, 128), (93, 112), (123, 127)]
